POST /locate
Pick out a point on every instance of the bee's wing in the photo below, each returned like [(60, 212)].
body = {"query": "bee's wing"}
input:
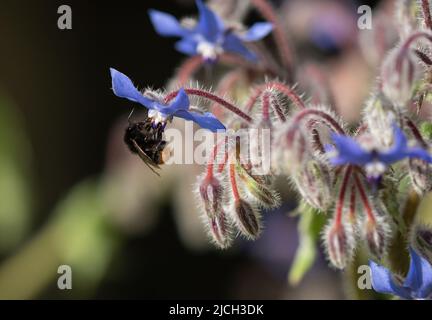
[(146, 159)]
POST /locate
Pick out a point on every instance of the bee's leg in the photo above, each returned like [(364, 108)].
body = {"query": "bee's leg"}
[(146, 159)]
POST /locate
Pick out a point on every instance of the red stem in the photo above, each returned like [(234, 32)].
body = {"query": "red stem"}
[(278, 86), (211, 97), (364, 198), (234, 182), (426, 13), (268, 12), (415, 131), (341, 198), (323, 115)]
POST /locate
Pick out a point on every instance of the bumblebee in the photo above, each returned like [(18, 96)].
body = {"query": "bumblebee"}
[(145, 138)]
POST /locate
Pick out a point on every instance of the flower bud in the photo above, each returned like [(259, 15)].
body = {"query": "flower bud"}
[(380, 116), (421, 240), (398, 74), (314, 183), (290, 149), (339, 243), (257, 188), (376, 232), (421, 175), (247, 219), (211, 194), (219, 229)]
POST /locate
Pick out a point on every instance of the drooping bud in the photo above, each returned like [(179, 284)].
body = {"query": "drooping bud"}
[(421, 240), (314, 182), (421, 175), (376, 232), (290, 149), (247, 218), (398, 74), (339, 242), (219, 229), (211, 194), (257, 188), (380, 115), (407, 17)]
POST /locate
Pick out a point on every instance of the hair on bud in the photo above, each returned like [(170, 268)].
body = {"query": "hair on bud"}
[(339, 242), (247, 218)]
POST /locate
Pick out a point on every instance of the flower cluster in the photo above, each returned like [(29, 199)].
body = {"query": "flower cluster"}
[(361, 178)]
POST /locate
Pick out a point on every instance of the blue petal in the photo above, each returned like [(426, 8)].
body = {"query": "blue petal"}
[(382, 282), (206, 120), (124, 88), (258, 31), (397, 151), (419, 153), (187, 46), (166, 25), (181, 102), (233, 44), (209, 24), (419, 277), (349, 151), (414, 277)]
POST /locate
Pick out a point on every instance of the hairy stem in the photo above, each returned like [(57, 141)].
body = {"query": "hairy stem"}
[(268, 12), (426, 13), (212, 97)]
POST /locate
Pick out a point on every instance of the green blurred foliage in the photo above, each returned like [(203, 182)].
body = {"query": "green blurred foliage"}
[(15, 178), (310, 225)]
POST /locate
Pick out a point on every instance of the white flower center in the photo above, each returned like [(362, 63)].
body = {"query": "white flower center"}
[(157, 116), (208, 50), (375, 169)]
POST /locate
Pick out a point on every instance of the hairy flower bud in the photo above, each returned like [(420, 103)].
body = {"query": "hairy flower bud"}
[(421, 240), (376, 232), (257, 188), (398, 74), (339, 243), (290, 149), (421, 175), (219, 229), (211, 194), (380, 115), (247, 218), (314, 182)]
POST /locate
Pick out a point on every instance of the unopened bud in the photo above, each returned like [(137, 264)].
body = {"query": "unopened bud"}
[(376, 232), (398, 74), (247, 219), (421, 240), (339, 242), (290, 149), (220, 230), (257, 188), (421, 175), (211, 193), (379, 115), (314, 183)]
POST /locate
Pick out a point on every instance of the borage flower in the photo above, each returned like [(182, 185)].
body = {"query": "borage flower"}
[(210, 37), (417, 285), (158, 110), (375, 161)]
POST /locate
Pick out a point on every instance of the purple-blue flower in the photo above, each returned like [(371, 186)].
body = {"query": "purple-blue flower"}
[(347, 150), (417, 284), (210, 37), (160, 112)]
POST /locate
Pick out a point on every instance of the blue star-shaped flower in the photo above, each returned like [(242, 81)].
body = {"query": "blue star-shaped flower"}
[(349, 151), (209, 37), (417, 285), (124, 88)]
